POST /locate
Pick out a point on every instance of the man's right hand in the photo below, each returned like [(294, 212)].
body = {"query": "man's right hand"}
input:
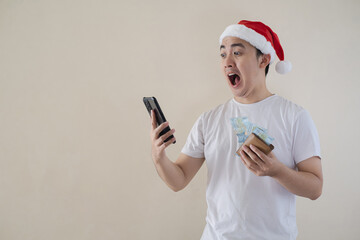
[(178, 174), (158, 144)]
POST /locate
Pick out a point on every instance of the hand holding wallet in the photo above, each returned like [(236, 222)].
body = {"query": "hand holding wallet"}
[(258, 142)]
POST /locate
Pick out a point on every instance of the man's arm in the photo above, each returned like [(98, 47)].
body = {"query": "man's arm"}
[(176, 175), (306, 182)]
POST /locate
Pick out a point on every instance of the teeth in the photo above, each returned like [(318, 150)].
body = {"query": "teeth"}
[(231, 74)]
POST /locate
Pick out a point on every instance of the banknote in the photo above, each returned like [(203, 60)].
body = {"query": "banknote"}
[(262, 133), (243, 128)]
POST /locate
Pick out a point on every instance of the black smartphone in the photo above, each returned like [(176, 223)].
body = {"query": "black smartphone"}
[(152, 104)]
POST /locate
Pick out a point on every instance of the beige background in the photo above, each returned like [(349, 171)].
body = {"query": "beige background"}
[(74, 134)]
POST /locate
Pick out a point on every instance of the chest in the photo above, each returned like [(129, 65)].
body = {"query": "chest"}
[(222, 140)]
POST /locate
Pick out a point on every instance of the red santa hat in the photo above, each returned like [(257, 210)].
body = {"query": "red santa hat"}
[(261, 37)]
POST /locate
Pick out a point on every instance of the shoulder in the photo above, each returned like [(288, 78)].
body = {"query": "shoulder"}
[(217, 111), (287, 105), (210, 118), (288, 109), (295, 114)]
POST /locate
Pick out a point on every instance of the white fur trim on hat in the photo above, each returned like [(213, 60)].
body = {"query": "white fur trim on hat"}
[(252, 37)]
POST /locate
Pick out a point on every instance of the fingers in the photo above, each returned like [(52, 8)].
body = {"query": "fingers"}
[(158, 129), (162, 138), (155, 132), (258, 152), (158, 142), (248, 162), (252, 161), (166, 144), (254, 157), (246, 158)]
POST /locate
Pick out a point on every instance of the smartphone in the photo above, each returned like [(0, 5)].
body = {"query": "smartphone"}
[(152, 104)]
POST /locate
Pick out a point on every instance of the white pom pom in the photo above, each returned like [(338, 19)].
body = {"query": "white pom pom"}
[(283, 67)]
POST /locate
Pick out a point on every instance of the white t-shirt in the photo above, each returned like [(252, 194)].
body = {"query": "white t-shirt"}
[(242, 205)]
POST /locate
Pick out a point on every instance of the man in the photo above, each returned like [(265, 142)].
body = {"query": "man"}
[(250, 195)]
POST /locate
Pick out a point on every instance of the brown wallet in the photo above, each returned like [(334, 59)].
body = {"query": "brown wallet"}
[(258, 142)]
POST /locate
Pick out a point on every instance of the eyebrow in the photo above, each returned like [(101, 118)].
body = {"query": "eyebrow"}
[(234, 45)]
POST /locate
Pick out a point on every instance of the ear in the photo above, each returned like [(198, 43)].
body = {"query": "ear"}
[(265, 60)]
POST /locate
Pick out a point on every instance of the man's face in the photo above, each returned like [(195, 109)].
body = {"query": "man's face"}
[(241, 67)]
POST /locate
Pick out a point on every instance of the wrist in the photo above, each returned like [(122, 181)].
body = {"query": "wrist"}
[(158, 159), (281, 171)]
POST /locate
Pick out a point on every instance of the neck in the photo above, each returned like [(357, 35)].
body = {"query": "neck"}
[(254, 96)]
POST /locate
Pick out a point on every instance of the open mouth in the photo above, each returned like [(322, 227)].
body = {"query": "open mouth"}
[(234, 78)]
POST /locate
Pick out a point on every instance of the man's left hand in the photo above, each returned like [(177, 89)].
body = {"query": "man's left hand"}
[(259, 163)]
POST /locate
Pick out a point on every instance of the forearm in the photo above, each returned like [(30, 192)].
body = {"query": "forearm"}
[(170, 173), (300, 183)]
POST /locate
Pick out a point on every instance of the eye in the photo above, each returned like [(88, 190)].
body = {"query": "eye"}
[(222, 55), (237, 53)]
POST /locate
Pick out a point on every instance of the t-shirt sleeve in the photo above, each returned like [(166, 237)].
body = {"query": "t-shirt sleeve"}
[(194, 146), (306, 139)]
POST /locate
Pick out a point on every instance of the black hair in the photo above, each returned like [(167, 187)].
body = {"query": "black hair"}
[(258, 54)]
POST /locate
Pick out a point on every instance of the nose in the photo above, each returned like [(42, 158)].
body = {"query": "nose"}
[(228, 62)]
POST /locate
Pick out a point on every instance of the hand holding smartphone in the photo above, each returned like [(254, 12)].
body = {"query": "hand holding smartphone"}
[(152, 104)]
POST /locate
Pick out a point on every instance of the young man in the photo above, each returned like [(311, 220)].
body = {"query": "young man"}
[(250, 195)]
